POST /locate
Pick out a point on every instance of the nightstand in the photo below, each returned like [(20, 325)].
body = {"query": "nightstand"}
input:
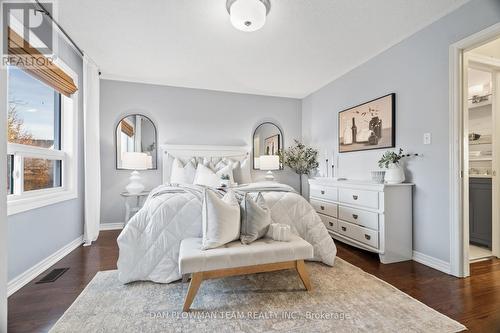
[(133, 202)]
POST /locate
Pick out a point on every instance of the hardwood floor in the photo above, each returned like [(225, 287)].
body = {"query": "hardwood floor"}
[(474, 301)]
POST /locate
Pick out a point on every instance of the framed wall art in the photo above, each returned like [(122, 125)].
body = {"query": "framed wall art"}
[(367, 126)]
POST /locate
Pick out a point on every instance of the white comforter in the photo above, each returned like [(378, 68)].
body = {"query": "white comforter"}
[(149, 244)]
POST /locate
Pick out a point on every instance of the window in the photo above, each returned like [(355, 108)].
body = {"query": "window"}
[(41, 135)]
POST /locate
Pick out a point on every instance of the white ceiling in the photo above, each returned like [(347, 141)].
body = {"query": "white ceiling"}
[(190, 43)]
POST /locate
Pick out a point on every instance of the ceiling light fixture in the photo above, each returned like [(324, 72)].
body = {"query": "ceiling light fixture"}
[(248, 15)]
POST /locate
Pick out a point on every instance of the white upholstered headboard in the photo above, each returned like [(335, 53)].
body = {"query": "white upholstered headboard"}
[(185, 151)]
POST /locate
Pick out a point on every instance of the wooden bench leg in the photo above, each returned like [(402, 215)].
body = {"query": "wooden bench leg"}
[(304, 276), (196, 280)]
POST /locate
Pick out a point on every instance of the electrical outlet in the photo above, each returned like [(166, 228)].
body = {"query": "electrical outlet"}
[(427, 138)]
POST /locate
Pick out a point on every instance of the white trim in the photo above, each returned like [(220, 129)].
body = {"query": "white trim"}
[(24, 278), (432, 262), (459, 265), (111, 226), (205, 150)]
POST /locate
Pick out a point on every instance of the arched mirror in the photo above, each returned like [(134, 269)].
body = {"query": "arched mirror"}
[(267, 141), (136, 133)]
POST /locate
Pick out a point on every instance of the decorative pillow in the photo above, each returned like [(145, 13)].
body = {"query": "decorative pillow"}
[(206, 176), (279, 232), (255, 218), (182, 174), (241, 171), (220, 219)]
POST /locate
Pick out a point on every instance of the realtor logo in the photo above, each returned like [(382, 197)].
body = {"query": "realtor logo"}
[(26, 29)]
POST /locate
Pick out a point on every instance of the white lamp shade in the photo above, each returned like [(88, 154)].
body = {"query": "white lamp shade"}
[(136, 161), (269, 162), (248, 15)]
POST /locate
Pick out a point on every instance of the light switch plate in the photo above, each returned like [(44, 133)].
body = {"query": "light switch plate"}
[(427, 138)]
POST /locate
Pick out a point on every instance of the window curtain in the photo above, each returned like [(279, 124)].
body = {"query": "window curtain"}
[(92, 159)]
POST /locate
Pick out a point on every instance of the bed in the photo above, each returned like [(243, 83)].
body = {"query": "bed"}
[(149, 243)]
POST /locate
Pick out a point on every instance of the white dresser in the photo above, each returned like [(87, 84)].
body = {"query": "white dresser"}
[(374, 217)]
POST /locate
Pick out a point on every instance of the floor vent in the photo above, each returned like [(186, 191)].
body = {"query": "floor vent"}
[(53, 275)]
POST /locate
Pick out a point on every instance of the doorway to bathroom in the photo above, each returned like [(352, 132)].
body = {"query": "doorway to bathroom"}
[(481, 158)]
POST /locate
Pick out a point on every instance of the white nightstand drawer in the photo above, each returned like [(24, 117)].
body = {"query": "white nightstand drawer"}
[(359, 197), (363, 235), (324, 192), (329, 222), (324, 207), (358, 216)]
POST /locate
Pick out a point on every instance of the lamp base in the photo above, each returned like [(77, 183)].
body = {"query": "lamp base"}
[(135, 186), (269, 176)]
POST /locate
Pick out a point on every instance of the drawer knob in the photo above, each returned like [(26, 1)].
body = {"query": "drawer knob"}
[(322, 192), (344, 228), (322, 207), (331, 224), (368, 237), (355, 216), (355, 197)]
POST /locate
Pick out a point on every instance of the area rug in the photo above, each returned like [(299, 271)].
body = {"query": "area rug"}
[(344, 299)]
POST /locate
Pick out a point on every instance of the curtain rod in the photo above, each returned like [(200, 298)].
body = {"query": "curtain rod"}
[(46, 12)]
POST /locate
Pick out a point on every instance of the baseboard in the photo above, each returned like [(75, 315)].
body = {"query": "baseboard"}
[(24, 278), (435, 263), (111, 226)]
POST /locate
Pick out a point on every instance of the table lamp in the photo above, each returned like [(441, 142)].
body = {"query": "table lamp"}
[(136, 161), (269, 163)]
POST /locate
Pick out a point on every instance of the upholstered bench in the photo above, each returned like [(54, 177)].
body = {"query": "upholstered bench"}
[(263, 255)]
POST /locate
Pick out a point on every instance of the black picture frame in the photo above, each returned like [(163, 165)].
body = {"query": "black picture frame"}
[(364, 147)]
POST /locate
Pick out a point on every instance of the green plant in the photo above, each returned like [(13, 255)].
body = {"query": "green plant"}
[(391, 157), (300, 158)]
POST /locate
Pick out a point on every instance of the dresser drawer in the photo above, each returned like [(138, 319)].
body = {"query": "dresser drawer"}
[(329, 222), (323, 192), (324, 207), (359, 217), (363, 235), (359, 197)]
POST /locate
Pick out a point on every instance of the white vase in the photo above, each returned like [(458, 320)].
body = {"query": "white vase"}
[(395, 174), (135, 186)]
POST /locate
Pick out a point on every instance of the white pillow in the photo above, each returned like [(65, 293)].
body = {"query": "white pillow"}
[(206, 176), (241, 171), (220, 218), (182, 174)]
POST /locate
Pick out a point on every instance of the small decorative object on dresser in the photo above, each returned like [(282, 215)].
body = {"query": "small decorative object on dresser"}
[(374, 217), (378, 176), (394, 173)]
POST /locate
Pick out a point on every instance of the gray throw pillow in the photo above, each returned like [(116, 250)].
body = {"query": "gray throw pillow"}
[(255, 218)]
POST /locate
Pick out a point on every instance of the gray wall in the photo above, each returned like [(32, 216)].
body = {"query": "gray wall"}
[(417, 71), (38, 233), (185, 116)]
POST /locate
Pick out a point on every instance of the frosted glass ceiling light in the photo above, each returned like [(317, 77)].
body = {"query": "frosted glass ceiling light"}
[(248, 15)]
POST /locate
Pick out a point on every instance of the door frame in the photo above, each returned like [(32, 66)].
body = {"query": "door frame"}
[(458, 143)]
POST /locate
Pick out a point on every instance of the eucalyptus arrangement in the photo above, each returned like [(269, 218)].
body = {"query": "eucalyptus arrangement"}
[(301, 159), (390, 157), (391, 161)]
